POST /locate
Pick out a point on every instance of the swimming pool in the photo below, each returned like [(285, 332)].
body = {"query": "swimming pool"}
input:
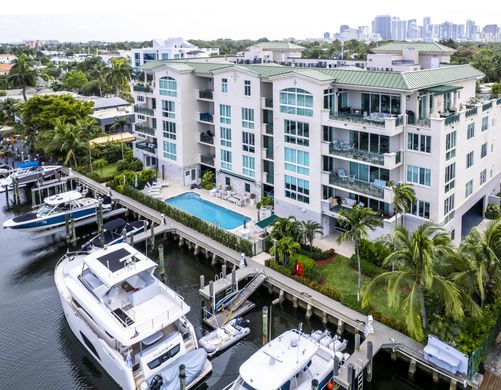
[(193, 204)]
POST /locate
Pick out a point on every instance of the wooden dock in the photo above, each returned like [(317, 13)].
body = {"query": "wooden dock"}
[(383, 337), (491, 381)]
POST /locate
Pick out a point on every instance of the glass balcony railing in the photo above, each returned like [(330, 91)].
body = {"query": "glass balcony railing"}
[(269, 128), (471, 112), (206, 117), (268, 178), (356, 185), (145, 129), (487, 106), (371, 120), (147, 148), (142, 88), (268, 102), (356, 154), (206, 138), (498, 102), (206, 94), (141, 109), (451, 119), (207, 159)]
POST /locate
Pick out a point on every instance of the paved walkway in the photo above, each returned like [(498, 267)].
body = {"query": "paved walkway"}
[(346, 248)]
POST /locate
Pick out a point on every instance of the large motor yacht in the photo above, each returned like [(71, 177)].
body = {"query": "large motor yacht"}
[(133, 325)]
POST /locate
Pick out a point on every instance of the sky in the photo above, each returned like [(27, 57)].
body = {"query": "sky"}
[(133, 20)]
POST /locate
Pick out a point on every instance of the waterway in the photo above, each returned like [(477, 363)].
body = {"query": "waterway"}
[(38, 350)]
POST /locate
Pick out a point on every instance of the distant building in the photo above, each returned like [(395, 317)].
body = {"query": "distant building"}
[(343, 28), (327, 36), (170, 49), (398, 29), (7, 58), (471, 30), (382, 26), (108, 110), (278, 51)]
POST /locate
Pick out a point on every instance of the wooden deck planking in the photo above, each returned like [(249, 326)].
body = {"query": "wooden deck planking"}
[(490, 381)]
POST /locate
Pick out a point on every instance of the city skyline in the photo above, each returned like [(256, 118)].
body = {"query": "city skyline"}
[(60, 20)]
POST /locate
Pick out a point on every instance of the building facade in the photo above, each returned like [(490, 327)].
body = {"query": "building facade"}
[(320, 140)]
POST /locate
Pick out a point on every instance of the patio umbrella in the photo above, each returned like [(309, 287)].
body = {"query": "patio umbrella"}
[(245, 224)]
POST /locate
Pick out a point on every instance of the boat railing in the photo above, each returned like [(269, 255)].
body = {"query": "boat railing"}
[(71, 256), (162, 319)]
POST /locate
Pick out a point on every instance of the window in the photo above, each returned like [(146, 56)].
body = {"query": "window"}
[(226, 137), (297, 161), (169, 129), (449, 208), (168, 109), (485, 123), (140, 98), (450, 145), (483, 176), (226, 159), (224, 85), (297, 189), (470, 130), (297, 132), (247, 88), (248, 142), (90, 345), (296, 101), (327, 164), (375, 102), (468, 188), (329, 99), (168, 86), (483, 150), (225, 114), (227, 181), (170, 150), (419, 142), (469, 160), (420, 208), (450, 174), (247, 118), (247, 187), (418, 175), (248, 163)]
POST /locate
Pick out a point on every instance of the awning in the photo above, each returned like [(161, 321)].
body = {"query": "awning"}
[(267, 221), (119, 137), (440, 89)]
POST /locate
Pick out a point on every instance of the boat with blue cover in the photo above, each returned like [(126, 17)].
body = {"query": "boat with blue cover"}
[(54, 211)]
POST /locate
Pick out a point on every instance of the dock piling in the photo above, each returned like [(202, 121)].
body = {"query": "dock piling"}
[(335, 371), (73, 232), (234, 279), (309, 311), (314, 384), (212, 296), (265, 324), (100, 223), (202, 281), (350, 376), (67, 227), (357, 342), (182, 377), (223, 270), (214, 258), (152, 237), (412, 367), (340, 327), (161, 260), (369, 358), (294, 302)]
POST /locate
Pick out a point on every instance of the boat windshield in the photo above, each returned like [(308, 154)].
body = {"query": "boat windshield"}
[(44, 209)]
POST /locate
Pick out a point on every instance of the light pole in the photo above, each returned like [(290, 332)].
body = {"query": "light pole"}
[(275, 249)]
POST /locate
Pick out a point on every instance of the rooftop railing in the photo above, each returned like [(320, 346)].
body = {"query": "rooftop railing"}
[(471, 112), (487, 106), (451, 119), (206, 117), (142, 88)]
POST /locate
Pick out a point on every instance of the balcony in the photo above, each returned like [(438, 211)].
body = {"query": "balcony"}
[(206, 117), (141, 109), (206, 138), (487, 106), (267, 103), (267, 178), (392, 125), (387, 160), (149, 148), (206, 94), (207, 159), (144, 129), (268, 128), (139, 87), (359, 186), (451, 119), (267, 153), (471, 112)]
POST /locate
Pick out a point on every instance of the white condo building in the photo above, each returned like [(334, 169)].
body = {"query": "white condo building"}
[(323, 139)]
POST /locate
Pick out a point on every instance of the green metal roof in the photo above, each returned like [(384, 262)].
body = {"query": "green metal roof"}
[(278, 45), (441, 89), (404, 81), (422, 47), (267, 221)]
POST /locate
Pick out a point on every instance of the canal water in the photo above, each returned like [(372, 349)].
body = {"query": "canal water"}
[(38, 350)]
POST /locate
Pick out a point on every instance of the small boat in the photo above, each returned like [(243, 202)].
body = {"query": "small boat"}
[(54, 211), (28, 172), (114, 231), (225, 336), (290, 361), (128, 320)]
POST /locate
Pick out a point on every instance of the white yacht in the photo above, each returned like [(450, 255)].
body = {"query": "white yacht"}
[(128, 320), (290, 361)]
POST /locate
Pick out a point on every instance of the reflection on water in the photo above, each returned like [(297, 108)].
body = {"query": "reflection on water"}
[(38, 350)]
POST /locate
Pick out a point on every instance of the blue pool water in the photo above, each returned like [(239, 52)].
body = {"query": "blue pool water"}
[(210, 212)]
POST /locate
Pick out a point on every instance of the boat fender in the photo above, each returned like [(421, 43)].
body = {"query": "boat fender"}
[(156, 383)]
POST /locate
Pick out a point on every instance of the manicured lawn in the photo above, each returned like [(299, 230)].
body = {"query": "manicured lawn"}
[(341, 276), (109, 170)]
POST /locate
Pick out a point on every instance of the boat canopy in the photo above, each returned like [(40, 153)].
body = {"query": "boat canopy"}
[(64, 197), (114, 224), (28, 164)]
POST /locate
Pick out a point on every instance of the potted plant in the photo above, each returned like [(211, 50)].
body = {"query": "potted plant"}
[(252, 197), (228, 188)]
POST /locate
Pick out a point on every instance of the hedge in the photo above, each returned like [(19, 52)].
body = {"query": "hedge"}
[(229, 240), (373, 252), (492, 211), (367, 268), (316, 253)]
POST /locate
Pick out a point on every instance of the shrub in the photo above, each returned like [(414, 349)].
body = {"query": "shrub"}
[(316, 253), (492, 211), (208, 180), (308, 264), (130, 164), (266, 201), (367, 268), (230, 240), (373, 252), (3, 92)]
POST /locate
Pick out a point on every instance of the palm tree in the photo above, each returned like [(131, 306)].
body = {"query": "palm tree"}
[(403, 196), (119, 74), (88, 127), (286, 248), (100, 164), (356, 223), (22, 74), (8, 111), (285, 227), (417, 257), (119, 124), (484, 251), (308, 230), (67, 139)]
